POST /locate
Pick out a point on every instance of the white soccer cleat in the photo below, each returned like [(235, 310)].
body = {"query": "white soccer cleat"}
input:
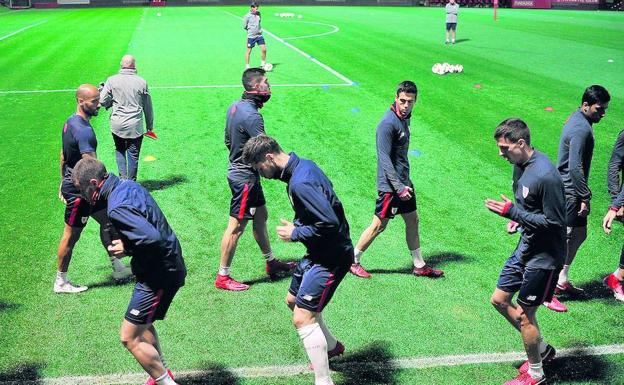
[(68, 287), (122, 274)]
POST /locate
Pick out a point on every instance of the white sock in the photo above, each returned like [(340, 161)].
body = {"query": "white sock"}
[(417, 257), (617, 274), (269, 256), (246, 66), (536, 370), (61, 276), (117, 264), (316, 347), (165, 379), (331, 340), (563, 275), (224, 270), (357, 255), (263, 63)]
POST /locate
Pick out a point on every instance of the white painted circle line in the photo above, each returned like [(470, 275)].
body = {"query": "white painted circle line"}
[(334, 30)]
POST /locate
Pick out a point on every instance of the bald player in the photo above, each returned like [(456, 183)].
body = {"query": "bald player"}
[(127, 93), (79, 142)]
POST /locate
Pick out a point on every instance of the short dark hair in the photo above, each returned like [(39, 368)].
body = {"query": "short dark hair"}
[(596, 94), (256, 148), (87, 169), (408, 87), (253, 4), (251, 76), (513, 129)]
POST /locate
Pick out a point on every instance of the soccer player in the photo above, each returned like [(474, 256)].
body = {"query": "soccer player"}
[(616, 210), (242, 123), (79, 142), (127, 93), (395, 189), (320, 224), (156, 254), (539, 216), (576, 148), (452, 9), (251, 23)]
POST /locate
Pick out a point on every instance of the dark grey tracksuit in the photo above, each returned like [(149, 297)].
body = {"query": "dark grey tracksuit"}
[(616, 164), (576, 149), (243, 122), (393, 137)]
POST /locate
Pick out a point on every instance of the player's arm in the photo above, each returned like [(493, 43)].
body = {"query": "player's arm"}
[(318, 207), (615, 167), (141, 234), (384, 148), (575, 163), (86, 143), (246, 22), (255, 125), (62, 164), (106, 96), (148, 110)]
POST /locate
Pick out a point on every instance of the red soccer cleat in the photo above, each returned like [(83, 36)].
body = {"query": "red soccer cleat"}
[(547, 357), (225, 282), (427, 271), (526, 379), (152, 381), (275, 268), (569, 289), (358, 271), (555, 305), (151, 135), (615, 285)]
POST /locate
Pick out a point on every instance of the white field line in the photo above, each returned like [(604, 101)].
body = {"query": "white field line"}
[(334, 30), (14, 92), (294, 370), (310, 57), (23, 29), (10, 12)]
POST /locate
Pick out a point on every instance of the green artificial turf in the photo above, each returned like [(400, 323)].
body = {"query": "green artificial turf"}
[(524, 62)]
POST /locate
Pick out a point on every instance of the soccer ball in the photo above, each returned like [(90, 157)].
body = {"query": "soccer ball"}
[(460, 68), (268, 67)]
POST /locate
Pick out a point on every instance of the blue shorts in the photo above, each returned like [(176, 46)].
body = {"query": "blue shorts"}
[(246, 197), (148, 305), (77, 209), (252, 41), (535, 286), (451, 26), (389, 204), (314, 284)]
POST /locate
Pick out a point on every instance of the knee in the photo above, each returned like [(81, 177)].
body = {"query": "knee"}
[(379, 228), (499, 303), (290, 301), (299, 320), (128, 341)]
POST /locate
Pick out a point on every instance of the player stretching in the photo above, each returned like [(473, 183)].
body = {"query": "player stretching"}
[(395, 189), (531, 270), (319, 224)]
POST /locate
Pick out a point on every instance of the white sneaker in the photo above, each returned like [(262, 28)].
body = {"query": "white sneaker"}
[(121, 274), (68, 287)]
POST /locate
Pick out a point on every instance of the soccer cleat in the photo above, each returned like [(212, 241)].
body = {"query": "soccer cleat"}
[(225, 282), (555, 305), (547, 357), (275, 267), (615, 285), (152, 381), (358, 271), (526, 379), (68, 287), (569, 289), (122, 274), (427, 271), (335, 352)]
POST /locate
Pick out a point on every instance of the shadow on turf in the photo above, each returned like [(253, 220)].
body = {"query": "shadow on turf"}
[(593, 290), (461, 41), (23, 374), (8, 306), (154, 184), (579, 368), (110, 282), (210, 374), (266, 279), (370, 365), (433, 260)]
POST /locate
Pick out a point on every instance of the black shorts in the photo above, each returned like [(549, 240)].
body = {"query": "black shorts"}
[(77, 209), (389, 204), (451, 26), (246, 197), (148, 305), (573, 205), (535, 286), (314, 285)]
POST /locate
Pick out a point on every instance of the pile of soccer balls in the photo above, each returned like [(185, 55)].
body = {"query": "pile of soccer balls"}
[(446, 68)]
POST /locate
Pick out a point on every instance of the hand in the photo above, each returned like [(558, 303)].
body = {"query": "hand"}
[(285, 231), (608, 220), (500, 208), (620, 212), (584, 211), (61, 194), (512, 227), (117, 248), (406, 194)]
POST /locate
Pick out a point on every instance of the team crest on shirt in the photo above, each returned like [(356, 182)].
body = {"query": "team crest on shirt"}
[(394, 210), (525, 191), (84, 220), (252, 211)]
